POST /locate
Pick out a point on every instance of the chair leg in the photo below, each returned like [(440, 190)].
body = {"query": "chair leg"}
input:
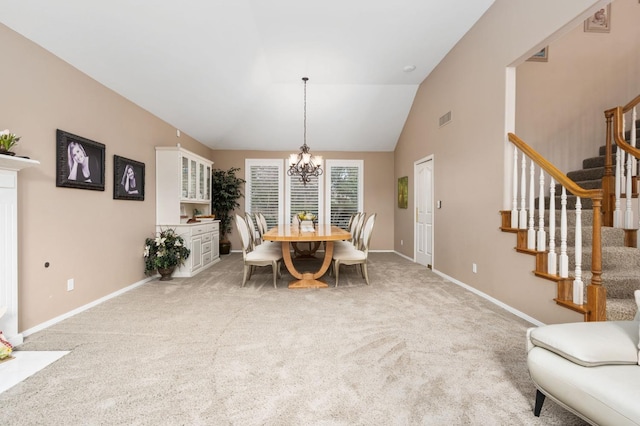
[(279, 273), (336, 269), (244, 275), (274, 266), (364, 272), (539, 401)]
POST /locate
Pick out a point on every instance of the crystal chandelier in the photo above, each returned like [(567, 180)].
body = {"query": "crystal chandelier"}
[(304, 164)]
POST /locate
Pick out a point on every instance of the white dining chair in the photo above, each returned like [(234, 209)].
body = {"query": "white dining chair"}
[(348, 254), (256, 256)]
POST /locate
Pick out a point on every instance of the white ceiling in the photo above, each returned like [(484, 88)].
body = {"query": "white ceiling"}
[(228, 73)]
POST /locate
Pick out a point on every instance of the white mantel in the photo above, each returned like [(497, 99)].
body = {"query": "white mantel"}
[(9, 168)]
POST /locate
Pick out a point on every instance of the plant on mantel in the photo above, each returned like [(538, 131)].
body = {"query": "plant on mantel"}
[(7, 141), (226, 190)]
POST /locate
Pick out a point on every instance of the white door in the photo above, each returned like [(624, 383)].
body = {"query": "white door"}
[(424, 212)]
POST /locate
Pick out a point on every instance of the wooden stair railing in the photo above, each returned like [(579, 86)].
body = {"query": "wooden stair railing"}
[(595, 307), (612, 184)]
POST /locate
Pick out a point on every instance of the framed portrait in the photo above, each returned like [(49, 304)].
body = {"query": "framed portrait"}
[(128, 179), (403, 192), (599, 22), (541, 56), (79, 162)]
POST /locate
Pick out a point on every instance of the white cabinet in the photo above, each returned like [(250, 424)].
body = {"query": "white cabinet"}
[(200, 238), (183, 184)]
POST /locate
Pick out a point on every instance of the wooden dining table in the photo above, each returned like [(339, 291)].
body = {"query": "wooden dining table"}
[(288, 234)]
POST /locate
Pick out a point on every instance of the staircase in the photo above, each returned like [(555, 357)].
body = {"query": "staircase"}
[(620, 264)]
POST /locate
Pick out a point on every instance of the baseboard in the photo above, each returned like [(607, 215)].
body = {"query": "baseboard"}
[(405, 256), (76, 311), (491, 299)]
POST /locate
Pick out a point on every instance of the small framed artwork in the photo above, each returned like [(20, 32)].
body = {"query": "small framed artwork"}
[(403, 192), (599, 22), (541, 56), (128, 179), (79, 162)]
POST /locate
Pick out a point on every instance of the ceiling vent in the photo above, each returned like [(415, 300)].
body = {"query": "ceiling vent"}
[(445, 119)]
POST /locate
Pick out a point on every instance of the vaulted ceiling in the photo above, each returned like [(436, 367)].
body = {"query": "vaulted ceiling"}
[(228, 73)]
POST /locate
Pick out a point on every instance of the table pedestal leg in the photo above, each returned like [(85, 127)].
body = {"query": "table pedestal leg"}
[(307, 279)]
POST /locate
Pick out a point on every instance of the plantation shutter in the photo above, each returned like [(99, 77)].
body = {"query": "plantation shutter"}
[(302, 197), (263, 189), (344, 192)]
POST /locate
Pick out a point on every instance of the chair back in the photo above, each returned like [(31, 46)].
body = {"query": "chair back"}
[(357, 233), (261, 229), (366, 233), (295, 220), (243, 230), (262, 221), (252, 230)]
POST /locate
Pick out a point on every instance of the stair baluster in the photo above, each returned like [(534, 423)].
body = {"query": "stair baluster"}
[(531, 233), (563, 258), (578, 285), (542, 235), (552, 257), (522, 221)]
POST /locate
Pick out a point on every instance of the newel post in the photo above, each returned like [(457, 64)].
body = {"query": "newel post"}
[(608, 180), (596, 293)]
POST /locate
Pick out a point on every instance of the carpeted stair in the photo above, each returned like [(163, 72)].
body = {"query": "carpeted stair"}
[(620, 264)]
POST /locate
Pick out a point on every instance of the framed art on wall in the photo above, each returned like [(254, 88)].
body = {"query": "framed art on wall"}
[(128, 179), (79, 162), (541, 56), (599, 22), (403, 192)]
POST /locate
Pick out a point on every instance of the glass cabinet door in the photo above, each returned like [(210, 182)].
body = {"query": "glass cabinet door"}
[(207, 183), (200, 181), (192, 179), (185, 177)]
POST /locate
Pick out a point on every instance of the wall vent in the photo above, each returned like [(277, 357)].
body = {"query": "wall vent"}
[(445, 119)]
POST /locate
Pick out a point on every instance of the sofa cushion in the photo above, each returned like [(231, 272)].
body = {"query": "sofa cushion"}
[(591, 343)]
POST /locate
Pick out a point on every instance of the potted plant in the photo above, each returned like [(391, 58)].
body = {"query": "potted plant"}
[(226, 190), (164, 253), (7, 141)]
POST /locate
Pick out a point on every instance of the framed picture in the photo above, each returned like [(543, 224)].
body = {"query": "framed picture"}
[(599, 22), (79, 162), (541, 56), (403, 192), (128, 179)]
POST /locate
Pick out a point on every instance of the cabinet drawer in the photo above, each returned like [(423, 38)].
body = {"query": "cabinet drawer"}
[(207, 237), (206, 259), (201, 229), (206, 247)]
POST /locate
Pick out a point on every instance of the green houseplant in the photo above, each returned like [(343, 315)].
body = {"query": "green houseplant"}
[(164, 253), (226, 190), (7, 141)]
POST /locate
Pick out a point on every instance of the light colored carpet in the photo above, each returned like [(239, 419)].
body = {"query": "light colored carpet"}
[(411, 349)]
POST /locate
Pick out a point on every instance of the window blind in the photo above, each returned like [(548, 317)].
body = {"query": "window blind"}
[(263, 192), (345, 189)]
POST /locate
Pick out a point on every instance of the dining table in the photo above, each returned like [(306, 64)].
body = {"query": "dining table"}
[(321, 233)]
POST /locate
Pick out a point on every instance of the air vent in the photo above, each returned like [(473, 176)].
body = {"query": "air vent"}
[(445, 119)]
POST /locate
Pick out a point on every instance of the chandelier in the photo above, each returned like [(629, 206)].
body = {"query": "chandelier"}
[(303, 164)]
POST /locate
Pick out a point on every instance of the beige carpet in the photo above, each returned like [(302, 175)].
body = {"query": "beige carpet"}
[(411, 349)]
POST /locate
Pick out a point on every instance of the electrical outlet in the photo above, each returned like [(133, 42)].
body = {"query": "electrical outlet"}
[(401, 242), (70, 284), (474, 268)]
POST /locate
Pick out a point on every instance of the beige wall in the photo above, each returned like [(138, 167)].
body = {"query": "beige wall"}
[(378, 189), (560, 103), (85, 235), (469, 153)]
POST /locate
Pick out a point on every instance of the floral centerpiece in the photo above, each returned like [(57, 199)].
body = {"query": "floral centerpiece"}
[(164, 252), (7, 141), (305, 215)]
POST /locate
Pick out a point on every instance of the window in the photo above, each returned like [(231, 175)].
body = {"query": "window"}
[(344, 190), (263, 190), (271, 192), (300, 197)]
